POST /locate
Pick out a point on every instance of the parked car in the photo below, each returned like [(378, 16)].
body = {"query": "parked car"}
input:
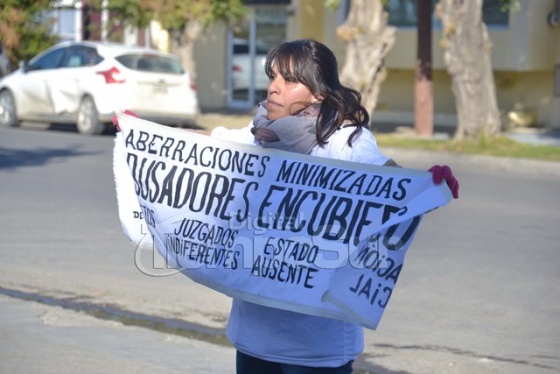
[(242, 66), (4, 63), (86, 82)]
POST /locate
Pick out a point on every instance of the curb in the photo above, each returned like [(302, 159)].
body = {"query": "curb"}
[(508, 164)]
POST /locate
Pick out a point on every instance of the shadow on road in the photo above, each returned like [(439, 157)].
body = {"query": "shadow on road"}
[(11, 159), (109, 129)]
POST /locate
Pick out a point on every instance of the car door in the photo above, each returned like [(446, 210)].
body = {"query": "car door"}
[(33, 95), (65, 87)]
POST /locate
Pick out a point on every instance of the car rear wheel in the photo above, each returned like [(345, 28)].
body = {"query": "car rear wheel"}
[(87, 120), (8, 117)]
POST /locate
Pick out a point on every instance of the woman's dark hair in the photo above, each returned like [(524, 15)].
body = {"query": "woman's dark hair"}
[(314, 65)]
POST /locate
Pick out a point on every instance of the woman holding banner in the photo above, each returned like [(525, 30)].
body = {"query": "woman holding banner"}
[(307, 111)]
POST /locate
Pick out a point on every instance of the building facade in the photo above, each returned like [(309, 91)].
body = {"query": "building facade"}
[(525, 58), (229, 58)]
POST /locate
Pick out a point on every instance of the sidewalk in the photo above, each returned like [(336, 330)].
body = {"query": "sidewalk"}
[(38, 338), (536, 136)]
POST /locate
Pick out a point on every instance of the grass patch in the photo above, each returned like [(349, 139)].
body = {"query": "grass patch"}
[(501, 146)]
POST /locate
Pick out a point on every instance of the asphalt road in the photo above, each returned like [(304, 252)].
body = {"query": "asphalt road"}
[(479, 292)]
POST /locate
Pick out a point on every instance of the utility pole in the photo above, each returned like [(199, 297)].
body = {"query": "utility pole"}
[(423, 88)]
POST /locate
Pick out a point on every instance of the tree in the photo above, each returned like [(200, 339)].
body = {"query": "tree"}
[(466, 47), (182, 19), (466, 51), (24, 28), (369, 38)]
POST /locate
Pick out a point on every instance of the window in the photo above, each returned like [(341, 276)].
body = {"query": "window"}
[(493, 15), (402, 13), (342, 11), (241, 47), (88, 55), (81, 56), (50, 60), (151, 63), (64, 23)]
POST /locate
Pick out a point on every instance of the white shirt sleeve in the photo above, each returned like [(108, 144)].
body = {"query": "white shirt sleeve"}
[(364, 148), (242, 135)]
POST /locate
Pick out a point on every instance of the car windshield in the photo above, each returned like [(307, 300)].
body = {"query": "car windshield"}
[(151, 63)]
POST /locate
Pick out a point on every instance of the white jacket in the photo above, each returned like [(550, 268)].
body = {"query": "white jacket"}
[(294, 338)]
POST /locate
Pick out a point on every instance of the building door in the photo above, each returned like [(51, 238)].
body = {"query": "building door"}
[(249, 41)]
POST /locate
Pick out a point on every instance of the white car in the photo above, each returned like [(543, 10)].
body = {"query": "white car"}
[(241, 66), (86, 82)]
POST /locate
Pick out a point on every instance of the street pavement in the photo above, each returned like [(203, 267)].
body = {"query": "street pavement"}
[(39, 335), (46, 339)]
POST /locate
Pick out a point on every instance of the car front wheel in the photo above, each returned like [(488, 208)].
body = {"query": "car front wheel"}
[(87, 121), (8, 117)]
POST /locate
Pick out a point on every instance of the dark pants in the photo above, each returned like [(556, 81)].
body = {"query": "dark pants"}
[(251, 365)]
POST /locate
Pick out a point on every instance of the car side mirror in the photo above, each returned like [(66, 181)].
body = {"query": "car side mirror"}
[(24, 66)]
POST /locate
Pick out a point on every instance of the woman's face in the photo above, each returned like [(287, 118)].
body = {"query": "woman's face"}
[(286, 97)]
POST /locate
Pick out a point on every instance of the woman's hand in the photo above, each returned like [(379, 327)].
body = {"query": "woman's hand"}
[(115, 120), (442, 173)]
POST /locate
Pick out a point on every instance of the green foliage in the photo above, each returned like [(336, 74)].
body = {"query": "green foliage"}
[(33, 40), (332, 4), (227, 10), (512, 5), (24, 28), (174, 14), (128, 12)]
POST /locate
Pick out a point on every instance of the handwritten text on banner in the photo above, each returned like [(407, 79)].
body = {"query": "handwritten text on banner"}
[(311, 235)]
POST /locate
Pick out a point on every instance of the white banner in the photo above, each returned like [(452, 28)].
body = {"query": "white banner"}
[(311, 235)]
